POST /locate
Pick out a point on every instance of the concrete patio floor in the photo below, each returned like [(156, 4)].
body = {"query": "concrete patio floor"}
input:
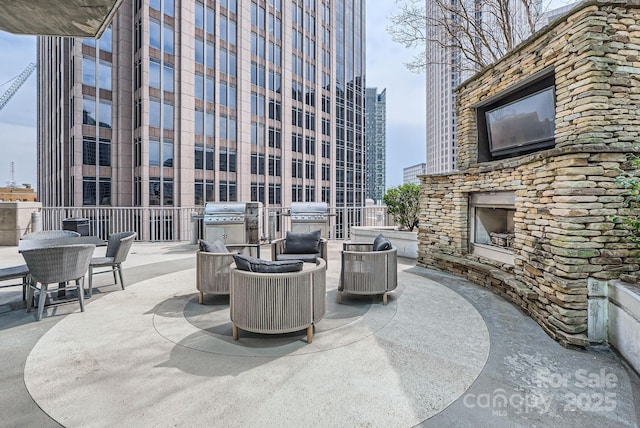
[(443, 352)]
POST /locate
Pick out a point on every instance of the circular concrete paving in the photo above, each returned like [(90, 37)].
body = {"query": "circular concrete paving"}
[(152, 356)]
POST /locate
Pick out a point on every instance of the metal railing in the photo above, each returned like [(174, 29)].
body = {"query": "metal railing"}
[(186, 224)]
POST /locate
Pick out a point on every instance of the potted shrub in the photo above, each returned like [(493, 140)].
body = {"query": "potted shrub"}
[(403, 203)]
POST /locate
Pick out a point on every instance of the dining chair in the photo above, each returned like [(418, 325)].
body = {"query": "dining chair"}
[(50, 234), (118, 248), (15, 272), (59, 265)]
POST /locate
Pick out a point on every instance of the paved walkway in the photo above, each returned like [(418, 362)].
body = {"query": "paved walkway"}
[(443, 352)]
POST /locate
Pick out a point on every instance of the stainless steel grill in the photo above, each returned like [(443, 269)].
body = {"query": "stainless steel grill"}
[(232, 222), (224, 213), (308, 216)]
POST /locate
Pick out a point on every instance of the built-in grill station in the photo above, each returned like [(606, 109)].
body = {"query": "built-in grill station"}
[(232, 222), (308, 216)]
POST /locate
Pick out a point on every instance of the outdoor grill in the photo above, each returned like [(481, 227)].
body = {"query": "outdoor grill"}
[(308, 216), (232, 222)]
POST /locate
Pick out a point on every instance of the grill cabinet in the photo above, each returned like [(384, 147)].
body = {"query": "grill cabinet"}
[(308, 216), (232, 222)]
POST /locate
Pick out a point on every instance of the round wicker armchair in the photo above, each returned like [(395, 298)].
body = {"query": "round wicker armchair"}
[(275, 303)]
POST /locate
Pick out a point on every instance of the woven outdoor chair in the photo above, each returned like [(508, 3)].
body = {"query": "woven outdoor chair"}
[(15, 272), (57, 265), (50, 234), (276, 303), (365, 271), (118, 248)]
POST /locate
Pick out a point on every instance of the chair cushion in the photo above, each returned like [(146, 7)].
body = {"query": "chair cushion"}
[(212, 247), (381, 243), (307, 258), (302, 242), (101, 261), (253, 264)]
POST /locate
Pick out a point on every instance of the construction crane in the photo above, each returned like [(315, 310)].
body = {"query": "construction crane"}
[(12, 171), (4, 99)]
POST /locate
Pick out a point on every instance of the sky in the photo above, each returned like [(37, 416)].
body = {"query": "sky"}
[(406, 108)]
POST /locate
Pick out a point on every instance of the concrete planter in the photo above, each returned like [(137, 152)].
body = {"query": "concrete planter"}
[(406, 242)]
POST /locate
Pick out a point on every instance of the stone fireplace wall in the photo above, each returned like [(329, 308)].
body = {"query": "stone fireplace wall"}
[(565, 196)]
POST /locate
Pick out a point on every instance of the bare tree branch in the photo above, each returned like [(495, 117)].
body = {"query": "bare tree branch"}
[(480, 31)]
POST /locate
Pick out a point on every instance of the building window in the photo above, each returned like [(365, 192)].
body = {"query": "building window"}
[(89, 151), (275, 194), (310, 194), (310, 145), (310, 170), (199, 19), (105, 113), (103, 194), (199, 86), (154, 112), (167, 122), (227, 191), (104, 75), (154, 152), (154, 73), (88, 111), (210, 90), (227, 160), (209, 158), (257, 192), (167, 153), (275, 137), (275, 166), (168, 39), (257, 163), (154, 190), (167, 191), (199, 122), (199, 46), (199, 157), (168, 77), (106, 40), (88, 71), (296, 168), (154, 34)]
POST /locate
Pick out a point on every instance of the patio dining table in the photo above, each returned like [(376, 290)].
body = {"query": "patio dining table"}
[(33, 244)]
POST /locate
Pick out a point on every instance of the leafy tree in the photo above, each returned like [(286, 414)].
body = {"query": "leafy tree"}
[(630, 180), (403, 203), (480, 31)]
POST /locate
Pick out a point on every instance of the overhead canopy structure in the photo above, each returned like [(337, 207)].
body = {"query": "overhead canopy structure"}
[(72, 18)]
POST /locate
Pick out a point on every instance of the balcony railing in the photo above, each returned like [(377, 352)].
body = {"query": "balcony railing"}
[(185, 224)]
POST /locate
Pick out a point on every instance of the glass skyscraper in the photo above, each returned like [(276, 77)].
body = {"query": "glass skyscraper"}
[(184, 102)]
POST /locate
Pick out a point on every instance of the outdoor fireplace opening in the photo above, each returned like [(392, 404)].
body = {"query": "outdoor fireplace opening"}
[(491, 225)]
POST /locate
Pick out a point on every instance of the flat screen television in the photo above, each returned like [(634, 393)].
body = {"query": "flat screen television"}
[(523, 125)]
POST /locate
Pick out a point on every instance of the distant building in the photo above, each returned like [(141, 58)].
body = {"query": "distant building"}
[(446, 69), (375, 143), (411, 173), (18, 194), (182, 103), (554, 14)]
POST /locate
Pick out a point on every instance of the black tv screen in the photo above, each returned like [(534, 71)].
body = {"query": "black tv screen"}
[(525, 124)]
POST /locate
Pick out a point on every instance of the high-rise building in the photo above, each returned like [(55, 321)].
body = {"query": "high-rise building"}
[(410, 174), (376, 142), (446, 69), (181, 103)]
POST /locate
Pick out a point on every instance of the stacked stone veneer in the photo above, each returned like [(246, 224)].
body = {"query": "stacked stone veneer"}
[(565, 196)]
